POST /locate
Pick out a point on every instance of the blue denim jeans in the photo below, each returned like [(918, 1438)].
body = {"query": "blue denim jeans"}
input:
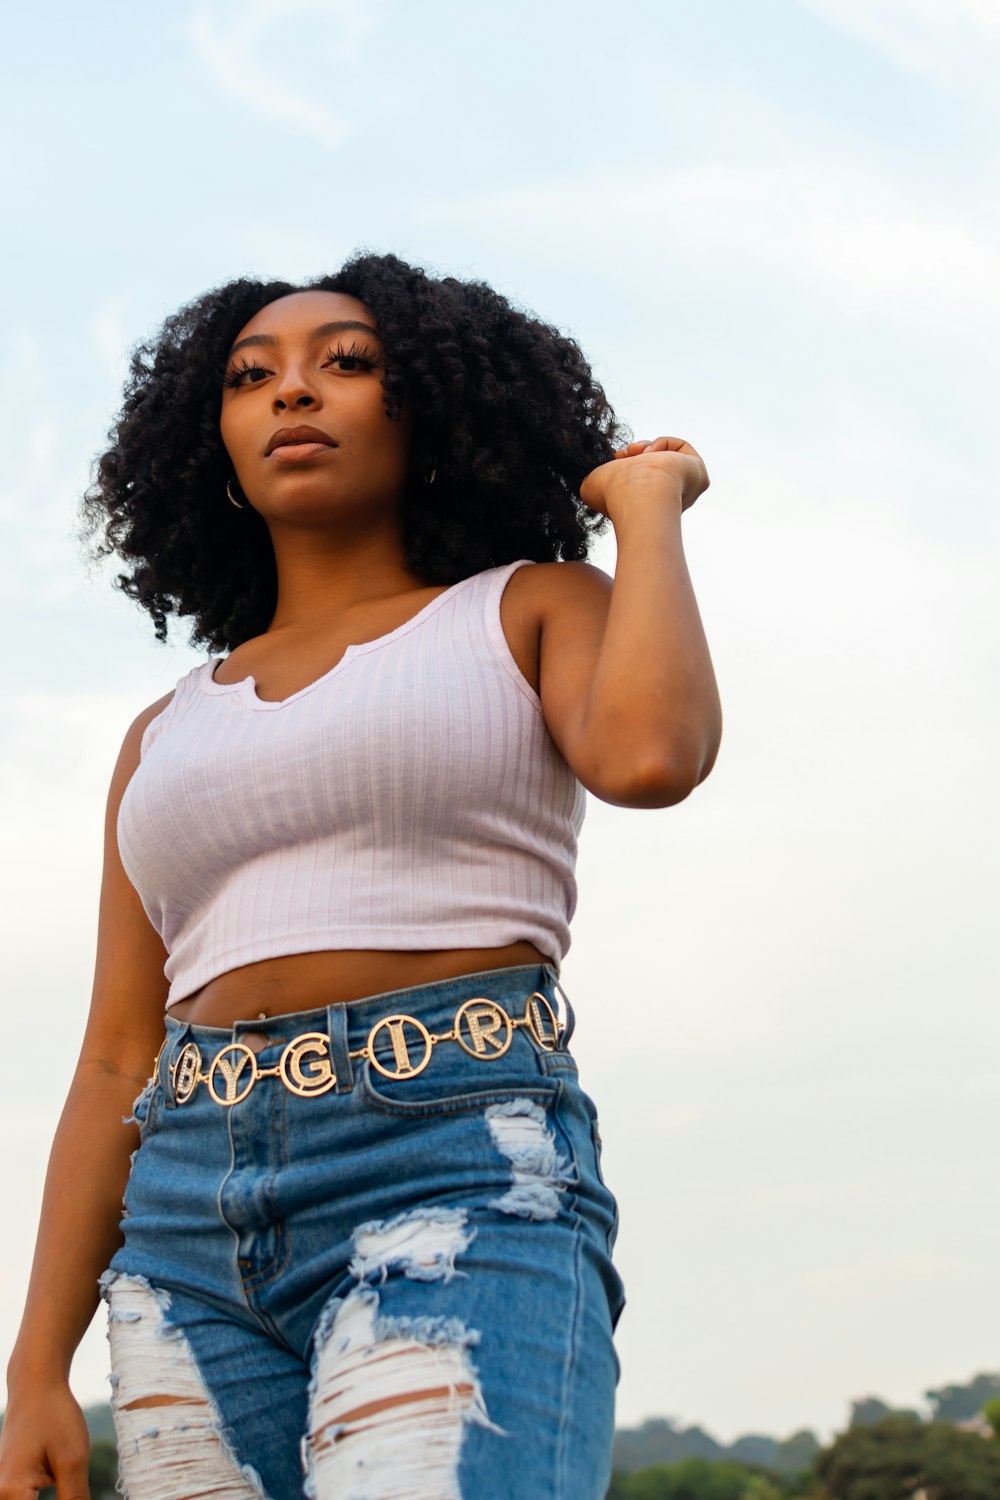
[(364, 1277)]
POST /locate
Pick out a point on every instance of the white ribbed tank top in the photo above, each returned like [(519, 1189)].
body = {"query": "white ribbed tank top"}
[(411, 797)]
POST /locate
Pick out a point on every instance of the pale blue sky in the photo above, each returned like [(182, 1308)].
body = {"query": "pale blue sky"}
[(774, 230)]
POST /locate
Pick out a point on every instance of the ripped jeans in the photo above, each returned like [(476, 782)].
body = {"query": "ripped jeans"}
[(398, 1288)]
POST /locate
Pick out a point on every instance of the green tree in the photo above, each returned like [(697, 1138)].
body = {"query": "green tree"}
[(103, 1470), (695, 1479), (959, 1403), (899, 1456), (991, 1411), (870, 1409), (758, 1487)]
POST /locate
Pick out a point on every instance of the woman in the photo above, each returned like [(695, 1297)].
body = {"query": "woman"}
[(366, 1243)]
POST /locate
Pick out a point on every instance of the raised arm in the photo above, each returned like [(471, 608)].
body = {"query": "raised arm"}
[(626, 680)]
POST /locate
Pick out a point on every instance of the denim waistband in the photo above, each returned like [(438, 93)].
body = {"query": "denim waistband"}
[(348, 1024)]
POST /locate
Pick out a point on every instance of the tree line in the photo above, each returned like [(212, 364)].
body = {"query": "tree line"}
[(882, 1454)]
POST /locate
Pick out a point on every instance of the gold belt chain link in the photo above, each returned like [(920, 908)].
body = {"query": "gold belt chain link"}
[(482, 1027)]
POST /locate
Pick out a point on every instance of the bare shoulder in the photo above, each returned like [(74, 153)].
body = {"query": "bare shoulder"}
[(132, 743), (551, 600), (568, 599), (553, 587), (143, 719)]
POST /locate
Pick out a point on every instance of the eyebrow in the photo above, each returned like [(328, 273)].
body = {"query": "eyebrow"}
[(320, 332)]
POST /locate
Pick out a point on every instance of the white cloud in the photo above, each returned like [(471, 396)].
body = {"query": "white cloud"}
[(245, 45), (944, 39), (853, 231), (50, 464), (903, 256), (111, 340)]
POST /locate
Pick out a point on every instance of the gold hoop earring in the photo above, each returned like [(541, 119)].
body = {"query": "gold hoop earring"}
[(238, 503)]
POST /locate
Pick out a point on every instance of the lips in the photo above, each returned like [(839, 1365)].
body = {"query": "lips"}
[(290, 436)]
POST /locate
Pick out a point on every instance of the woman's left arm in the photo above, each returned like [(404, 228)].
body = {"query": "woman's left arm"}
[(626, 679)]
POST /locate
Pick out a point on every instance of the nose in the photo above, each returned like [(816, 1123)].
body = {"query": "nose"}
[(294, 389)]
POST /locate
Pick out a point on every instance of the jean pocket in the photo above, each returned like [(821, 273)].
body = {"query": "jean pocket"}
[(455, 1088), (595, 1132), (595, 1135), (606, 1203)]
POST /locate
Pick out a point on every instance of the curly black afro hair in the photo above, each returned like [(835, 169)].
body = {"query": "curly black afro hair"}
[(504, 406)]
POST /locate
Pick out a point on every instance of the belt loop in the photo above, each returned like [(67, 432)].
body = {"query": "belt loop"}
[(340, 1052), (168, 1057), (569, 1020)]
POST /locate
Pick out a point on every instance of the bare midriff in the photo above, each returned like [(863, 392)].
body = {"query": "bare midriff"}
[(308, 981)]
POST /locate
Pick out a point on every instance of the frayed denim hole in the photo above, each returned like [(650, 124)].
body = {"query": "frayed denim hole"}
[(527, 1134), (412, 1444), (167, 1424), (142, 1106)]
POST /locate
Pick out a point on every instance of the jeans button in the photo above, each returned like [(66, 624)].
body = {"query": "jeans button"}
[(255, 1040)]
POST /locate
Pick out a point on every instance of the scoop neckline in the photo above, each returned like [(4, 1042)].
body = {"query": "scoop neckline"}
[(246, 687)]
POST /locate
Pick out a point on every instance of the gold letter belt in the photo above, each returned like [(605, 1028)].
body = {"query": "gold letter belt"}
[(482, 1027)]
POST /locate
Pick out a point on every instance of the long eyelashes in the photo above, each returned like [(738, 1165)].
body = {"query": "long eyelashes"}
[(359, 353), (235, 373)]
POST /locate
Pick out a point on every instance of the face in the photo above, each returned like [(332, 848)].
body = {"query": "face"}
[(291, 367)]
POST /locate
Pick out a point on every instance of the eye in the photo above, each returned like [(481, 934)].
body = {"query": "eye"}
[(359, 354), (234, 375)]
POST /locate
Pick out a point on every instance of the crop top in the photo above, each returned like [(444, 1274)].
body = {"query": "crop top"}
[(411, 797)]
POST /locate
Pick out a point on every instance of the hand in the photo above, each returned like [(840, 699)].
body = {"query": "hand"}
[(665, 465), (44, 1442)]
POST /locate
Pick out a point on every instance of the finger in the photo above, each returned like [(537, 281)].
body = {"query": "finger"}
[(661, 444), (674, 445), (71, 1473)]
